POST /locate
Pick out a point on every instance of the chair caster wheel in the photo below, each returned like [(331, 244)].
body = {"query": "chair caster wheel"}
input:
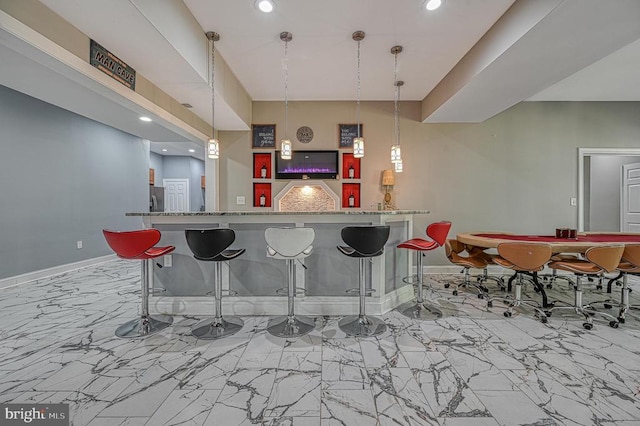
[(480, 296), (489, 304), (613, 324), (588, 326), (547, 313), (484, 289), (446, 285), (454, 292), (507, 314), (598, 287), (607, 306), (621, 320), (549, 286), (543, 320)]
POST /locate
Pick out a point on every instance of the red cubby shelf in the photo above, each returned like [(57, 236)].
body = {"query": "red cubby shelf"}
[(349, 161), (260, 160), (260, 189), (349, 189)]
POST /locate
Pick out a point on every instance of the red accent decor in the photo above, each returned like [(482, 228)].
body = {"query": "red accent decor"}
[(136, 244), (261, 159), (349, 160), (437, 231), (258, 190), (590, 238), (349, 189)]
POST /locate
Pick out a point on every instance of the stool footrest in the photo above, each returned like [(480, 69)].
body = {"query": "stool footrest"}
[(356, 291), (298, 291), (223, 293), (156, 291)]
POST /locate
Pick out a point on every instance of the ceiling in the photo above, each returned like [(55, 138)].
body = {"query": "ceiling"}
[(473, 58)]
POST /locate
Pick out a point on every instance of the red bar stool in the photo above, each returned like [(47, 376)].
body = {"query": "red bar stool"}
[(139, 245), (438, 232)]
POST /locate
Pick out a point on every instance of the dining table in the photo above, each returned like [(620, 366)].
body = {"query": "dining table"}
[(580, 244)]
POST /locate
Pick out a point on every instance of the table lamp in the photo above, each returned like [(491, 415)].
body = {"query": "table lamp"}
[(388, 180)]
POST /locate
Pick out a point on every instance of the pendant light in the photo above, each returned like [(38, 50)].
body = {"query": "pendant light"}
[(358, 143), (213, 145), (396, 153), (285, 144)]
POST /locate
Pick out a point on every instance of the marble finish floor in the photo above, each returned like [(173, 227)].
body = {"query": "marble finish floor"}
[(470, 368)]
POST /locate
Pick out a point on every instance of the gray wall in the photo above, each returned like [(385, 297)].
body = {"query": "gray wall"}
[(180, 167), (156, 162), (65, 178), (604, 194), (515, 172)]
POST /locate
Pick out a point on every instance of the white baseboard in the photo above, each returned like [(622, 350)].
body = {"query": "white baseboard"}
[(54, 270)]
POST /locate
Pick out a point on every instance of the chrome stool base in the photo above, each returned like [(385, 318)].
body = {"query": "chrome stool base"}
[(420, 311), (144, 326), (362, 326), (285, 326), (216, 328)]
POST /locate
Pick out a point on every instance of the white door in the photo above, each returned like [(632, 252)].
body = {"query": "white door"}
[(176, 195), (630, 198)]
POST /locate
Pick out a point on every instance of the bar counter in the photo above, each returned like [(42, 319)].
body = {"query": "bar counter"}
[(256, 278)]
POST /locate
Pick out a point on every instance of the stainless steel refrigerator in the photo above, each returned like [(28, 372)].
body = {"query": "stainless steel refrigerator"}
[(156, 198)]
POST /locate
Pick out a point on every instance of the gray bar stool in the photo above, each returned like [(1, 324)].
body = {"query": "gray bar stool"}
[(364, 242), (290, 244), (210, 245)]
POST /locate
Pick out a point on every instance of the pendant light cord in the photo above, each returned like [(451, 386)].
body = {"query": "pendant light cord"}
[(358, 92), (397, 108), (213, 88), (286, 87)]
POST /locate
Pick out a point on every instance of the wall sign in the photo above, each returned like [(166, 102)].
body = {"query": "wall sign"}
[(111, 65), (346, 134), (264, 136)]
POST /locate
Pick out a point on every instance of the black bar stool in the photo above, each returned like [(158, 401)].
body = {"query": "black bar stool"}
[(364, 242), (140, 245), (290, 244), (210, 245)]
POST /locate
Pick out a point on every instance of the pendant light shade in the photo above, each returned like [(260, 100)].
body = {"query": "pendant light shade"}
[(286, 150), (213, 145), (213, 149), (358, 142), (396, 154)]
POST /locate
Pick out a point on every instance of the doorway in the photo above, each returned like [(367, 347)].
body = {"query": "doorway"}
[(176, 195), (588, 186)]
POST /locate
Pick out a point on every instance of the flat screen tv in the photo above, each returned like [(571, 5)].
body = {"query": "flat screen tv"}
[(308, 165)]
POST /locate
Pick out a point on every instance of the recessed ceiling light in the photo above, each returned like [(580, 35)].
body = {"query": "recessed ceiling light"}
[(265, 6), (145, 119), (192, 150), (433, 4), (164, 149)]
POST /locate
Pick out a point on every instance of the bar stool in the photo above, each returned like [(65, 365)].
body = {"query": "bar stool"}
[(140, 245), (598, 260), (210, 245), (438, 232), (290, 244), (364, 242)]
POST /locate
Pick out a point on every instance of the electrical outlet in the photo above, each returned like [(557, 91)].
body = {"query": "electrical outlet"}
[(79, 244), (240, 200), (573, 201), (168, 261)]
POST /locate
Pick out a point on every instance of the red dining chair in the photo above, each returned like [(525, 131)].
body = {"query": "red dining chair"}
[(140, 245), (438, 232)]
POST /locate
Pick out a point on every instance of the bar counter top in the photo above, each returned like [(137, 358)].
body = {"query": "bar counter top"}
[(271, 213)]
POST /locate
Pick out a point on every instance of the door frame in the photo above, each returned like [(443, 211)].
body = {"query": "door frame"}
[(187, 182), (588, 152)]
